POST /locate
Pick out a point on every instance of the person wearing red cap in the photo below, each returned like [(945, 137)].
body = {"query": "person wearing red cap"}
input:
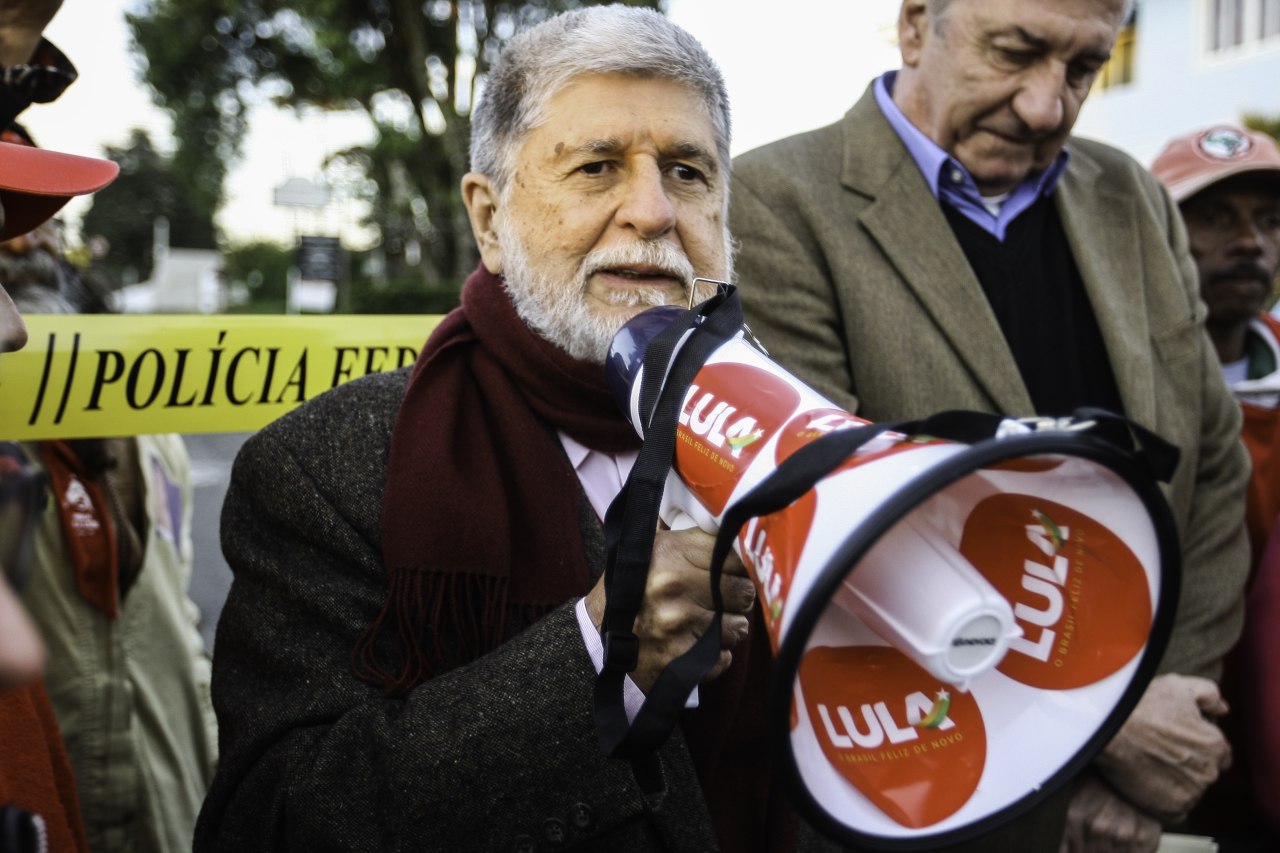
[(1227, 184), (38, 801), (1226, 181), (127, 671), (39, 809)]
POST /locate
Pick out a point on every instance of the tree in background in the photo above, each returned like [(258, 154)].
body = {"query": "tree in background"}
[(262, 268), (122, 217), (1269, 125), (412, 67)]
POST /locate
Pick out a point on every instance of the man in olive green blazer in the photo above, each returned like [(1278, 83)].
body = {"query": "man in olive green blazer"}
[(854, 277)]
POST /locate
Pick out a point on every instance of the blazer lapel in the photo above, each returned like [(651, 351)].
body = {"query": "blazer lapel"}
[(1099, 226), (907, 223)]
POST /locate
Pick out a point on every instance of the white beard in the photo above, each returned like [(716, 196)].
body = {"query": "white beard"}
[(559, 312)]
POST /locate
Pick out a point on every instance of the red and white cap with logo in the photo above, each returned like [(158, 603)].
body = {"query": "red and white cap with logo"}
[(35, 184), (1192, 162)]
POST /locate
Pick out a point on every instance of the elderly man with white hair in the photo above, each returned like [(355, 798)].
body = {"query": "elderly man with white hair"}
[(405, 660)]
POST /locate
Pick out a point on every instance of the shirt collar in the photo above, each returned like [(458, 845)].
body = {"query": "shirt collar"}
[(934, 163), (576, 451)]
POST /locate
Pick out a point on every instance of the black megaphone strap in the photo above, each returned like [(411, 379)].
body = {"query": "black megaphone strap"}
[(631, 524)]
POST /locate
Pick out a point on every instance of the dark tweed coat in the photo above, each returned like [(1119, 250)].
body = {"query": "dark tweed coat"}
[(498, 755)]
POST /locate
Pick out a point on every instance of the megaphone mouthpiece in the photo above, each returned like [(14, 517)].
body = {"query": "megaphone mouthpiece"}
[(918, 592)]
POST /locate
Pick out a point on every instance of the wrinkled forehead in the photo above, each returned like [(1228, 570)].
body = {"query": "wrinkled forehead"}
[(550, 103), (1104, 10), (1048, 18)]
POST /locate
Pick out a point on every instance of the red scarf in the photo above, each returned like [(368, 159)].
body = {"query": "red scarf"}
[(478, 484), (87, 526), (35, 773)]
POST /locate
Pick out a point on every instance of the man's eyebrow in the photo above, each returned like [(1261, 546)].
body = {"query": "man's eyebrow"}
[(595, 147), (1042, 45), (1031, 38), (696, 152), (613, 145), (1099, 57)]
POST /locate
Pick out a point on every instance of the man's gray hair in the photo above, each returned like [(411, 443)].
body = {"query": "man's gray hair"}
[(938, 9), (615, 39)]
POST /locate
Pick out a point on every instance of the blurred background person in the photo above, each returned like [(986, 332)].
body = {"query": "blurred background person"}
[(1226, 181), (39, 805), (39, 809), (127, 671), (38, 276)]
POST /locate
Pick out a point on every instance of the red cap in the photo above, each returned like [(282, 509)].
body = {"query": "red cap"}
[(1192, 162), (35, 184)]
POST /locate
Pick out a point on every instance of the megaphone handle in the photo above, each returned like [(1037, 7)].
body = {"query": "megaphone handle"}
[(630, 526), (680, 510), (678, 519)]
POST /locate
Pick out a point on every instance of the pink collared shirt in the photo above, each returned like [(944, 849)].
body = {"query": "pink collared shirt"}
[(602, 476)]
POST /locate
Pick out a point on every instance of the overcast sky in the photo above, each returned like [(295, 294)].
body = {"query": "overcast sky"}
[(790, 66)]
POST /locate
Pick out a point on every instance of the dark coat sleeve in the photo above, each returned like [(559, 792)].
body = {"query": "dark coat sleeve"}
[(500, 754)]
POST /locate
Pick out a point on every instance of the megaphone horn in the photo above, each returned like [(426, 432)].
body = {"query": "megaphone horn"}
[(963, 609)]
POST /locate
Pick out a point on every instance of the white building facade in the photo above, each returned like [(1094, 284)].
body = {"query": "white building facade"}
[(1187, 64)]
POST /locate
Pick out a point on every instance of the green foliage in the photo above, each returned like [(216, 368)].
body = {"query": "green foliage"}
[(124, 214), (207, 127), (263, 269), (1269, 125), (413, 67), (403, 295)]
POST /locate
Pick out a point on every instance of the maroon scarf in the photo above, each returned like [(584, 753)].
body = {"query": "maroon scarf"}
[(471, 444)]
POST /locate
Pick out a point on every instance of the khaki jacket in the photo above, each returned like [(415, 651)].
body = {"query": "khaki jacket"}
[(852, 278), (132, 694)]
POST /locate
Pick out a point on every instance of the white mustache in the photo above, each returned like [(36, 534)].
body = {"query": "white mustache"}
[(661, 255)]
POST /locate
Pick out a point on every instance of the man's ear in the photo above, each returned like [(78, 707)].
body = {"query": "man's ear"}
[(481, 198), (914, 22)]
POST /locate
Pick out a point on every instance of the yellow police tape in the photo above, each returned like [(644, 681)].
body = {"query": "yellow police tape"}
[(135, 374)]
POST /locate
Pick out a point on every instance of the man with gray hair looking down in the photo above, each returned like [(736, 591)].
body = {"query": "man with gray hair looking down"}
[(949, 244)]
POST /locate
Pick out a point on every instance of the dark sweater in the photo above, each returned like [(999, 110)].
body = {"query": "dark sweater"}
[(1035, 290)]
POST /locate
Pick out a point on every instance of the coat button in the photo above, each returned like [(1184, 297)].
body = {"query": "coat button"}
[(524, 844), (553, 829), (583, 817)]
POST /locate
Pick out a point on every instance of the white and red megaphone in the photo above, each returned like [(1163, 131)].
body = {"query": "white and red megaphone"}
[(959, 625)]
